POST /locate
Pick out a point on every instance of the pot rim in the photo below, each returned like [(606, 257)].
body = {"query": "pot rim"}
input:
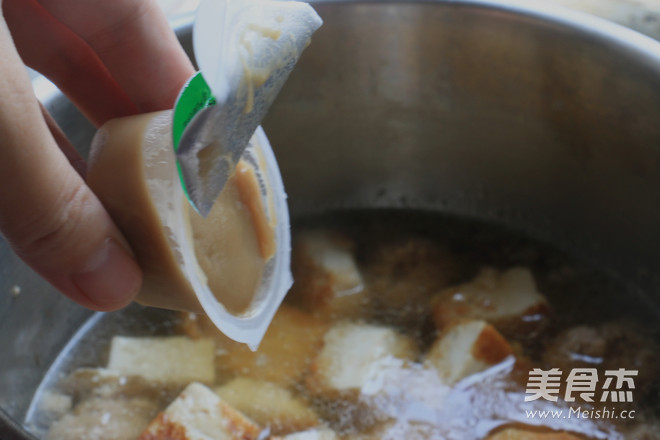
[(617, 37)]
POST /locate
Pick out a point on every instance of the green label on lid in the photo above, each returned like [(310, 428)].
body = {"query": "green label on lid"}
[(195, 96)]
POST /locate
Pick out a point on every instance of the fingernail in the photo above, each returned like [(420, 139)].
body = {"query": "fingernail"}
[(113, 278)]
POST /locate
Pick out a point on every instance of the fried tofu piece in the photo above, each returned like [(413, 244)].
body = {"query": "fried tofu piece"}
[(465, 349), (508, 300), (102, 418), (399, 401), (327, 278), (312, 434), (174, 360), (607, 346), (350, 354), (649, 429), (520, 434), (403, 275), (289, 345), (269, 404), (200, 414), (53, 405), (102, 382)]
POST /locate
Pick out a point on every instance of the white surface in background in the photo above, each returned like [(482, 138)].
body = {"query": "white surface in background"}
[(250, 43)]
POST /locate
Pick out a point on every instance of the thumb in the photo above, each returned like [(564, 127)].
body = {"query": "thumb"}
[(47, 213)]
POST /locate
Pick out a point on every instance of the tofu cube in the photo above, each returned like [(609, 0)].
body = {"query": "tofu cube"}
[(350, 354), (103, 418), (607, 346), (200, 414), (508, 300), (403, 274), (174, 360), (269, 404), (327, 278), (102, 382), (53, 405), (520, 434), (465, 349), (289, 345)]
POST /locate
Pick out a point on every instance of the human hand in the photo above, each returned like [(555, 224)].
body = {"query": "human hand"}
[(112, 59)]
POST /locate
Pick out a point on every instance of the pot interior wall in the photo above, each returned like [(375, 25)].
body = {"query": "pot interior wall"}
[(549, 125), (549, 128)]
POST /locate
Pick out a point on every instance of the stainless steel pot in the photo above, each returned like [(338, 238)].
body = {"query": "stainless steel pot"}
[(539, 118)]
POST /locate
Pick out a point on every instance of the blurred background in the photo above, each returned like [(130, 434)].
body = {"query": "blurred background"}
[(641, 15)]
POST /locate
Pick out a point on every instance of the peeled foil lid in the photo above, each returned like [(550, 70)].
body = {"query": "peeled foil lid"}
[(250, 326), (245, 50), (239, 44)]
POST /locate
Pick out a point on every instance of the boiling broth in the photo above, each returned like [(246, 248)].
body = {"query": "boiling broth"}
[(388, 275)]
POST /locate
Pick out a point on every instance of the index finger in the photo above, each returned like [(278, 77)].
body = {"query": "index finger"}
[(49, 216), (135, 42)]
